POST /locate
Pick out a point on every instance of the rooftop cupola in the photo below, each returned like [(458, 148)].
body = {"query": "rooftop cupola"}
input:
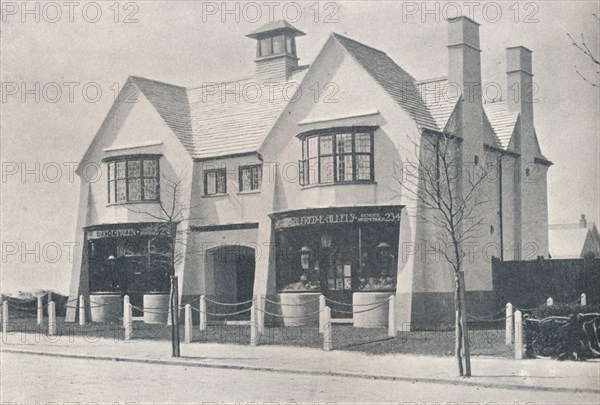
[(276, 56)]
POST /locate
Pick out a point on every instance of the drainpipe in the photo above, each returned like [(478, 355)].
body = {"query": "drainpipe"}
[(500, 208)]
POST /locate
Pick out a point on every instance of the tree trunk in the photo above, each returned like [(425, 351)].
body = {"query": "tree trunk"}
[(463, 323), (174, 305), (458, 324)]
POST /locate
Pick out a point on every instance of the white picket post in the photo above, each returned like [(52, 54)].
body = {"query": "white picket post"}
[(261, 304), (51, 318), (40, 310), (509, 325), (4, 318), (128, 320), (583, 299), (392, 316), (322, 304), (327, 330), (253, 325), (188, 324), (549, 301), (203, 322), (81, 310), (125, 310), (518, 335)]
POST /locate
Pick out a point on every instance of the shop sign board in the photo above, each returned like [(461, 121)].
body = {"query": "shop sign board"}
[(133, 230), (352, 215)]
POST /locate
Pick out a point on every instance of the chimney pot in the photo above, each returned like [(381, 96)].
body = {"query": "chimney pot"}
[(582, 221)]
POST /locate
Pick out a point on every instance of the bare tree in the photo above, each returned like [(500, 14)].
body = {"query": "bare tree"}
[(172, 217), (583, 47), (448, 196)]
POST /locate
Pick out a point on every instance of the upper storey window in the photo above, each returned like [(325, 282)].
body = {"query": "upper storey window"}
[(337, 156), (133, 178)]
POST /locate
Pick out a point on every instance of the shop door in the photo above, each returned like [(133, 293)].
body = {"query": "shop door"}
[(134, 281), (244, 275), (337, 283)]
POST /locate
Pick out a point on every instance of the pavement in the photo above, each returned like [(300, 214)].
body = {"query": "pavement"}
[(489, 372)]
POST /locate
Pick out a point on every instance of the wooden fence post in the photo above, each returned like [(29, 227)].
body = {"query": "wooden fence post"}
[(392, 316), (188, 324), (51, 319), (583, 299), (327, 331), (203, 317), (40, 310), (549, 301), (518, 335), (509, 325), (81, 310), (4, 318), (253, 325)]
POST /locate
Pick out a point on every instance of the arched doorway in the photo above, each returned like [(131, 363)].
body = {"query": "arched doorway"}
[(231, 269)]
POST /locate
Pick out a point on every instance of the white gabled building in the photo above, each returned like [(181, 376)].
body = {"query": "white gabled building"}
[(291, 192)]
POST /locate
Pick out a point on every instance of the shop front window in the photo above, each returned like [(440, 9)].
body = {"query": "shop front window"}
[(336, 257), (337, 156)]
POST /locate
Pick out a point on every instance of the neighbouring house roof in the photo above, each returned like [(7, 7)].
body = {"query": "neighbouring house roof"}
[(573, 241)]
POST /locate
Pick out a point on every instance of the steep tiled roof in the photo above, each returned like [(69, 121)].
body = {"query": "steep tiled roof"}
[(225, 124), (440, 104), (502, 120), (227, 118), (394, 80), (171, 103)]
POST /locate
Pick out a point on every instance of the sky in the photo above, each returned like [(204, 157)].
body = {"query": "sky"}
[(62, 65)]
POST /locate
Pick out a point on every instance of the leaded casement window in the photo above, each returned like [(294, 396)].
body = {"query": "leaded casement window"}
[(215, 181), (133, 179), (338, 156), (250, 177)]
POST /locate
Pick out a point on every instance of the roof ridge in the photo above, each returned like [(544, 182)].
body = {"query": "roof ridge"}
[(134, 77), (335, 34), (433, 79)]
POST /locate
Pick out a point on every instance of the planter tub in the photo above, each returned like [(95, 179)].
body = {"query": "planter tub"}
[(158, 307), (295, 305), (375, 318), (106, 307)]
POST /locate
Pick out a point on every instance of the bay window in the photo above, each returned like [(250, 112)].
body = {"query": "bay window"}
[(337, 156), (133, 178)]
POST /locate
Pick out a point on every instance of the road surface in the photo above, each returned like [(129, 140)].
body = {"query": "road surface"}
[(35, 379)]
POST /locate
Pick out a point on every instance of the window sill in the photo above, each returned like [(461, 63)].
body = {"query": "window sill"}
[(345, 183), (214, 195), (117, 204), (249, 192)]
